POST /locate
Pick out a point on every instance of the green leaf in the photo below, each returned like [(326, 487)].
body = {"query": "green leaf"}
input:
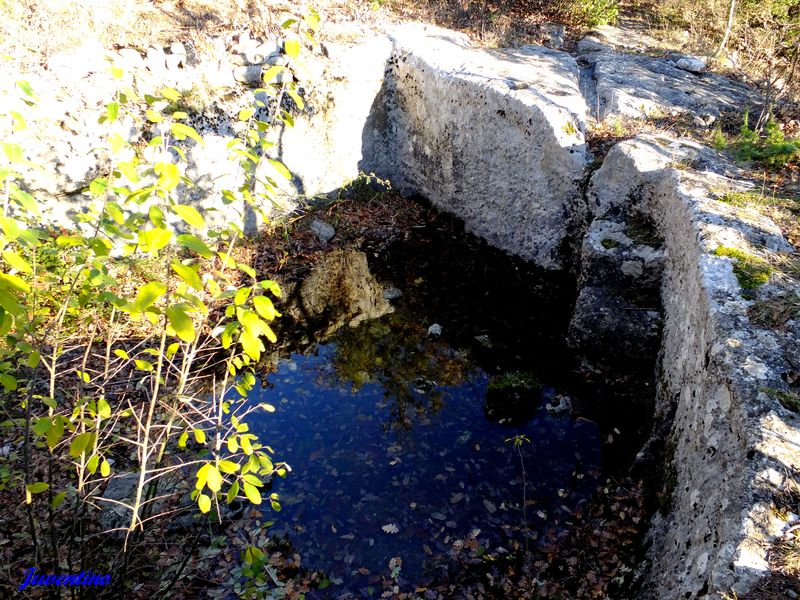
[(252, 493), (272, 286), (252, 346), (241, 296), (13, 152), (298, 100), (171, 94), (69, 241), (190, 215), (252, 480), (26, 88), (265, 307), (129, 171), (228, 466), (246, 113), (247, 270), (181, 323), (153, 116), (103, 409), (232, 492), (24, 199), (33, 359), (38, 487), (169, 176), (199, 436), (272, 73), (15, 261), (202, 475), (181, 131), (292, 48), (148, 294), (204, 502), (143, 365), (156, 216), (172, 349), (184, 437), (179, 114), (213, 479), (8, 382), (105, 468), (281, 169), (19, 121), (195, 244), (58, 499), (188, 274), (267, 407), (117, 142), (80, 443), (112, 110), (42, 426), (122, 354), (114, 211), (92, 463), (55, 433), (153, 240)]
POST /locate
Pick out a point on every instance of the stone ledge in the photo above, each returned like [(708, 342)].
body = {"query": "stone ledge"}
[(731, 440)]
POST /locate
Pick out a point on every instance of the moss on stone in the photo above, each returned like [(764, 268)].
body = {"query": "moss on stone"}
[(741, 198), (789, 400), (609, 243), (752, 271), (642, 231), (513, 380)]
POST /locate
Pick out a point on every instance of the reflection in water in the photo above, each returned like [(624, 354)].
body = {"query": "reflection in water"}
[(392, 455)]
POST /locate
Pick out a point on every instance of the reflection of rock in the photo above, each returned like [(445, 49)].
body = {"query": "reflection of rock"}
[(341, 290)]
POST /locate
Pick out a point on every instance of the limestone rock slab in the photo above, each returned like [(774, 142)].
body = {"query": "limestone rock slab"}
[(637, 85), (495, 137)]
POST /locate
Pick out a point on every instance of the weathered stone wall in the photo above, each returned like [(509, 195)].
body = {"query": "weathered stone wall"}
[(733, 443), (495, 137)]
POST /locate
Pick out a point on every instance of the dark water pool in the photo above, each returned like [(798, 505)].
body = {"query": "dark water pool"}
[(392, 456)]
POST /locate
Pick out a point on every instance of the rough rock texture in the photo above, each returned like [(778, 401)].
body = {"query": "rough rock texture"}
[(340, 290), (325, 150), (495, 137), (637, 85), (733, 442)]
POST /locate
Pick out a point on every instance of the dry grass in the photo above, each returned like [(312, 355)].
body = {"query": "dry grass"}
[(31, 31)]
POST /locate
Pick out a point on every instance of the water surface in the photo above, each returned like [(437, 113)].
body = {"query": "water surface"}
[(392, 455)]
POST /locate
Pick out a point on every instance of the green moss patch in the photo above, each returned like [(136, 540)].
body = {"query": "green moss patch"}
[(789, 400), (609, 243), (514, 380), (642, 231), (752, 271)]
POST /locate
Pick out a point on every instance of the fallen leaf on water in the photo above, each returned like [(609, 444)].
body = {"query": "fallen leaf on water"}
[(390, 528), (489, 506)]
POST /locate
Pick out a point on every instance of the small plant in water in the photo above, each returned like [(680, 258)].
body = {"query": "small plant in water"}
[(518, 441)]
